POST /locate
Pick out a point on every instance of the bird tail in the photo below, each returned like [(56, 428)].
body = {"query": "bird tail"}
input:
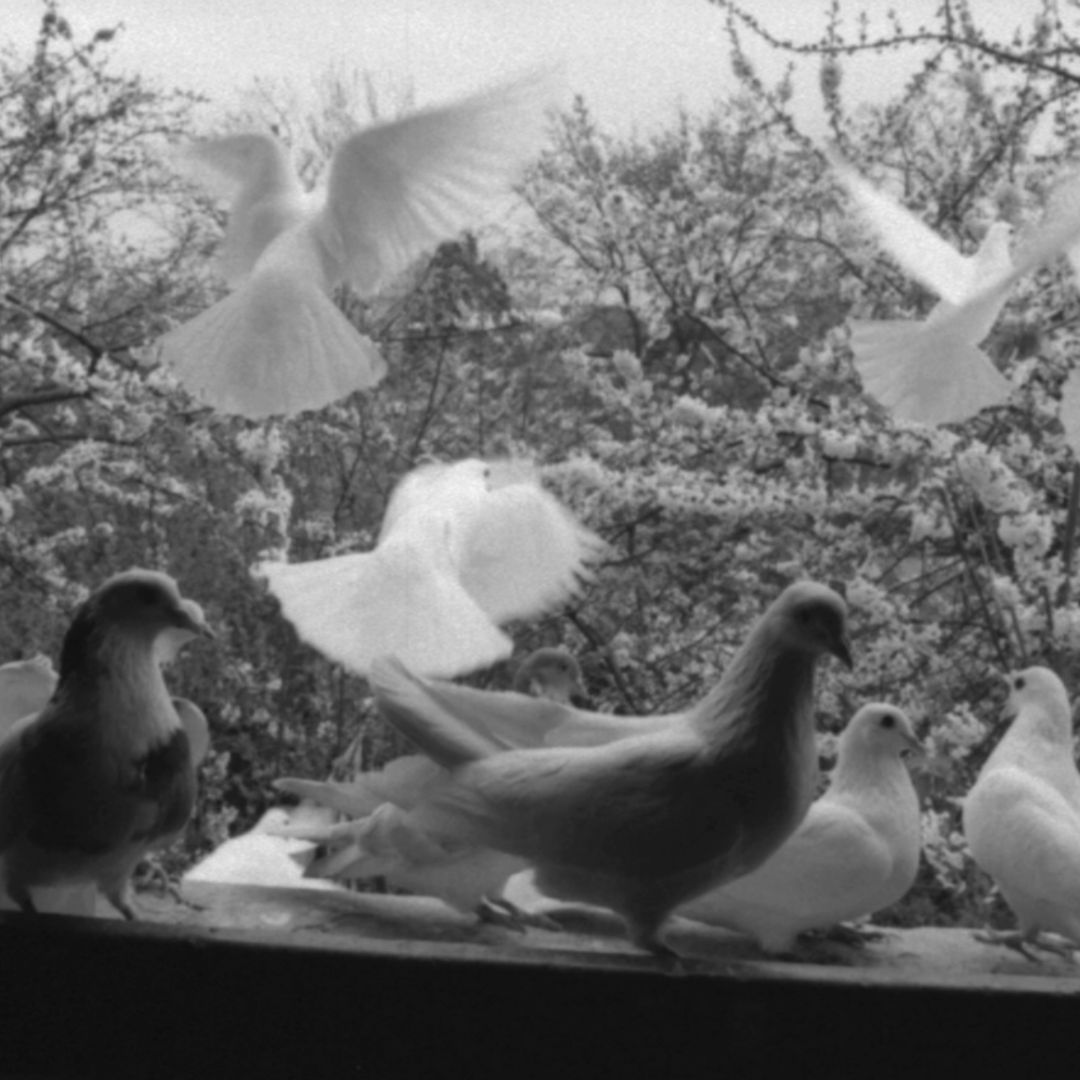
[(922, 372), (392, 600), (376, 845), (277, 345), (403, 782)]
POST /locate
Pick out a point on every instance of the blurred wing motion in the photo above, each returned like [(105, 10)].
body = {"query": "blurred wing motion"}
[(277, 344), (260, 857), (856, 851), (1022, 817), (620, 824), (451, 562), (508, 720), (932, 371)]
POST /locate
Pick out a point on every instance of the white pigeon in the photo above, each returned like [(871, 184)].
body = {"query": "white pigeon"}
[(463, 548), (856, 851), (277, 344), (640, 824), (1022, 817), (933, 371)]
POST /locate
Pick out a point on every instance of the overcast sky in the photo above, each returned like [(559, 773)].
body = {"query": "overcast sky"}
[(634, 60)]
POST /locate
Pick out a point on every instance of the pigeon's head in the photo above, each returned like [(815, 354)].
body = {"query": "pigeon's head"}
[(136, 604), (1037, 690), (550, 673), (813, 619), (881, 730)]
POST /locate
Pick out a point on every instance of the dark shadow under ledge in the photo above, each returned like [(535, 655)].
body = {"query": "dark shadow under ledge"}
[(303, 982)]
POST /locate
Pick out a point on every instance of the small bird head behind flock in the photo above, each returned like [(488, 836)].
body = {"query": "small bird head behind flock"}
[(104, 772), (551, 674)]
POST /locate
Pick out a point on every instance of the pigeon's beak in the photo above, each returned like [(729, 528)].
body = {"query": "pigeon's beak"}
[(913, 746), (841, 649), (189, 617)]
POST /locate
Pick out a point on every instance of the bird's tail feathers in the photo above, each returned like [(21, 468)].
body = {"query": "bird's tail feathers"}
[(393, 600), (277, 345), (907, 369), (402, 782)]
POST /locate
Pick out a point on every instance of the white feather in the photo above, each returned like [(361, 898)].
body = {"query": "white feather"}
[(932, 371), (1022, 817), (455, 557), (394, 190)]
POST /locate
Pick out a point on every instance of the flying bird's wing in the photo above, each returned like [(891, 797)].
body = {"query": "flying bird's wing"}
[(524, 552), (920, 251), (397, 599), (253, 172), (398, 188)]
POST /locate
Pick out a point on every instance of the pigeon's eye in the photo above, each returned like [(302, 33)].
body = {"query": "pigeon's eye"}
[(1018, 683), (888, 721), (147, 595)]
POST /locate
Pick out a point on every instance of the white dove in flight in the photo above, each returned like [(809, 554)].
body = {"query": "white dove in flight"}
[(1022, 816), (463, 547), (277, 344), (932, 371), (640, 824), (856, 851)]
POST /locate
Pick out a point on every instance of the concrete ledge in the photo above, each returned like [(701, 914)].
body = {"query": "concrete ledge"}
[(306, 983)]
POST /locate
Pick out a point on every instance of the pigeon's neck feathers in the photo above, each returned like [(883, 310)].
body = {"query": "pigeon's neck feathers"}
[(1040, 734), (113, 676), (766, 690), (877, 780)]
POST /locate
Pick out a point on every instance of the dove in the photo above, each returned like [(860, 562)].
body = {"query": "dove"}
[(855, 852), (103, 772), (463, 547), (933, 371), (639, 824), (1022, 816), (277, 344)]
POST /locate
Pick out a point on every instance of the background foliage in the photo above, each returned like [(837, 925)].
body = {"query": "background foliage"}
[(665, 335)]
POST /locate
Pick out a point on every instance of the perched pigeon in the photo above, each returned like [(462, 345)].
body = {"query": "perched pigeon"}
[(933, 371), (104, 772), (1022, 817), (463, 547), (856, 851), (277, 344), (640, 824)]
